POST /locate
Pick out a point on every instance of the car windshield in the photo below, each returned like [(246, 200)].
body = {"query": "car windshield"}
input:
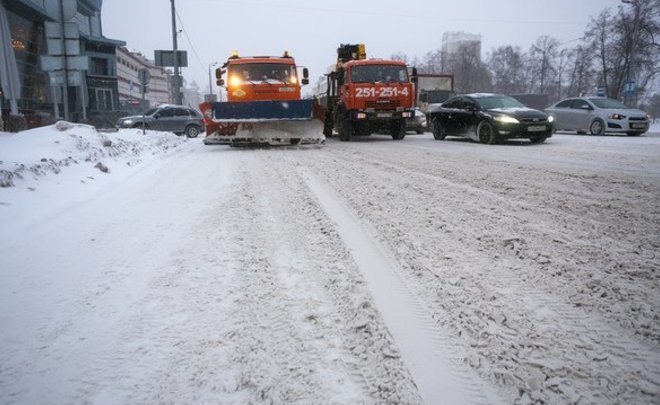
[(489, 103), (256, 72), (379, 73), (607, 103)]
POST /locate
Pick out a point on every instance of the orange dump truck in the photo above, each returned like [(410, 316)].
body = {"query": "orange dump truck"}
[(367, 95), (264, 104)]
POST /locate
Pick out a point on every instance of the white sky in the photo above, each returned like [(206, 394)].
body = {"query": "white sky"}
[(311, 31)]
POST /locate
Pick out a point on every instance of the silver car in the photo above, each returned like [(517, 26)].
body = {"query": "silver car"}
[(166, 117), (598, 115)]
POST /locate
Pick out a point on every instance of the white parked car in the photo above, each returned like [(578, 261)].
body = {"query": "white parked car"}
[(598, 115)]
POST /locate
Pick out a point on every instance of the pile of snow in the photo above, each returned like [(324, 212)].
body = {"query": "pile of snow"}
[(27, 156)]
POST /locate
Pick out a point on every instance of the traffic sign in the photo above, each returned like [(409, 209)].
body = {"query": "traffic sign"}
[(144, 77)]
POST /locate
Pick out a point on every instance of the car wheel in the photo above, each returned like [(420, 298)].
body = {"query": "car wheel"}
[(192, 131), (486, 133), (597, 127), (438, 130), (538, 139)]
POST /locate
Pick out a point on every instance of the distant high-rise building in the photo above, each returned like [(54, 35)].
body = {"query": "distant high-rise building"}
[(457, 41)]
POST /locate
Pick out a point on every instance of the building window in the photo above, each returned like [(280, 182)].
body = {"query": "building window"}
[(99, 67), (104, 100)]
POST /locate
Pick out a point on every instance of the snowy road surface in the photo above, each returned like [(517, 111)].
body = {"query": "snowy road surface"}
[(375, 271)]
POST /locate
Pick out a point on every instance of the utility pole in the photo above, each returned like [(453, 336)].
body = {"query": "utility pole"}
[(65, 87), (177, 75)]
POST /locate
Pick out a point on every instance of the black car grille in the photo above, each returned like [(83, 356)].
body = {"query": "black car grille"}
[(637, 118), (534, 121)]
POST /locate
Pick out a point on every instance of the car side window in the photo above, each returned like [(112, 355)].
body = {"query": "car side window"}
[(581, 104), (452, 103), (181, 112), (469, 104), (194, 113), (166, 113), (565, 104)]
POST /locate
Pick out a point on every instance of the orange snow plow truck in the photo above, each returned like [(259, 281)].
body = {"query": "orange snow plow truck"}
[(264, 104), (365, 96)]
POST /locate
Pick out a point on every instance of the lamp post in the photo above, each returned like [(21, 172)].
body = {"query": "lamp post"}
[(211, 93)]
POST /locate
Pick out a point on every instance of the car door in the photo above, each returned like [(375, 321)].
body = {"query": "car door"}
[(581, 114), (562, 114), (181, 119), (469, 118), (447, 114), (163, 119)]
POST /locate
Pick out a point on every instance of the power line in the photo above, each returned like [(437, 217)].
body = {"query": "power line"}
[(192, 47)]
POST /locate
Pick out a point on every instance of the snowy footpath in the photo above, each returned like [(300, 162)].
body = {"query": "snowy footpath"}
[(153, 269)]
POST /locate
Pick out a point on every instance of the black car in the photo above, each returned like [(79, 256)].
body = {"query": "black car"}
[(489, 118)]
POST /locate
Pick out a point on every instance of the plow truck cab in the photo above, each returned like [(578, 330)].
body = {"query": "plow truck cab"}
[(264, 104)]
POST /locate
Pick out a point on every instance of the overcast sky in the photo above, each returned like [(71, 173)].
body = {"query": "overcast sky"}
[(312, 30)]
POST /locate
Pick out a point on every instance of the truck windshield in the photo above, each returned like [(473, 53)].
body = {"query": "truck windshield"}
[(259, 72), (379, 73)]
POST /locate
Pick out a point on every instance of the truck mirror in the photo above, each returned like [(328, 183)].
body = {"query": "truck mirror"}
[(220, 82), (218, 73), (305, 81), (305, 74)]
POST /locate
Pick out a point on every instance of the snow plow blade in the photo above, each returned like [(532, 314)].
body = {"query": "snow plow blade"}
[(256, 111), (263, 123)]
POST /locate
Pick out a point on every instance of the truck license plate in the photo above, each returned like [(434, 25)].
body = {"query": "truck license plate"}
[(536, 128), (384, 115)]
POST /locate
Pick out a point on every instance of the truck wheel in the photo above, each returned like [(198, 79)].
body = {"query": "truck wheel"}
[(346, 130), (327, 126), (438, 130), (398, 130)]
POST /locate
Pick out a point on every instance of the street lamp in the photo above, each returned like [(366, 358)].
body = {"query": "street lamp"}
[(211, 93)]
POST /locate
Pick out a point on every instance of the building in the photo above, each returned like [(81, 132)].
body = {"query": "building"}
[(95, 99), (158, 92), (456, 42)]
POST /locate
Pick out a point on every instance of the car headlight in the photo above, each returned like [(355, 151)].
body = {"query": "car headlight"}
[(127, 122), (505, 119), (551, 118), (648, 117), (617, 116)]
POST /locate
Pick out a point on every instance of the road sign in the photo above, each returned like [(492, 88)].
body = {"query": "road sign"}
[(144, 77), (74, 78), (601, 91), (166, 58)]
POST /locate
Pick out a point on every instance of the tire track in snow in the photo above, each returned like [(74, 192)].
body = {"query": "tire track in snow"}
[(636, 379), (430, 356)]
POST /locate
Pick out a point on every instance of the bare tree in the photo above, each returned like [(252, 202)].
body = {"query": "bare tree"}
[(543, 59), (470, 73), (581, 72), (507, 69), (626, 47)]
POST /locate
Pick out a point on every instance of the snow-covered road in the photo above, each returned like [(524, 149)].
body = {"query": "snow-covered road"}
[(374, 271)]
